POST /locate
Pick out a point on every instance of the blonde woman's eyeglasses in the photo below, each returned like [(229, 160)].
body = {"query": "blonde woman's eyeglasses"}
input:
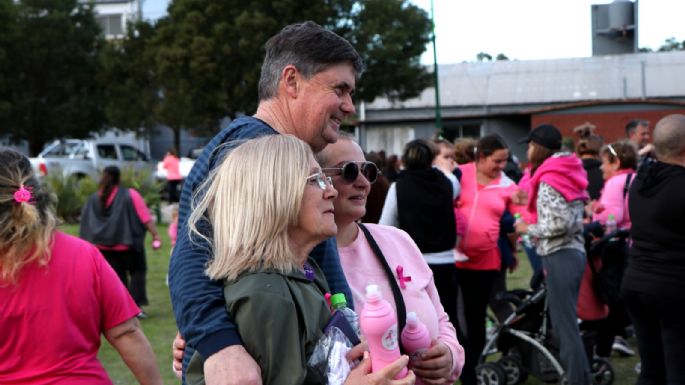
[(320, 179)]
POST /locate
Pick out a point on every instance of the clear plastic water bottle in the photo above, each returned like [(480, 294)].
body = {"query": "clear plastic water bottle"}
[(525, 238), (339, 303), (610, 225)]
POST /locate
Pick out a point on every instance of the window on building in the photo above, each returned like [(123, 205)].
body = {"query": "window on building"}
[(111, 25), (461, 130)]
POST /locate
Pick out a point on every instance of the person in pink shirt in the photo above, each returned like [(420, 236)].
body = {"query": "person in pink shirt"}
[(115, 220), (171, 163), (486, 192), (619, 161), (352, 177), (58, 295)]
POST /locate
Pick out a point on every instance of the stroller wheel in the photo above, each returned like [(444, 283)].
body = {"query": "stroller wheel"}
[(490, 373), (602, 372), (513, 370)]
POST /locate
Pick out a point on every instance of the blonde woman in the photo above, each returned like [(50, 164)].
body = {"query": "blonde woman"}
[(58, 295), (267, 205)]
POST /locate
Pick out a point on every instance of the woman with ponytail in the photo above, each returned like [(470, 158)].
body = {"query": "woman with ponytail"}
[(58, 294), (115, 220), (557, 194)]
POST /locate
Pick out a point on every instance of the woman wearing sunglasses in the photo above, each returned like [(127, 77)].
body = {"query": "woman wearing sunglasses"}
[(273, 290), (352, 177)]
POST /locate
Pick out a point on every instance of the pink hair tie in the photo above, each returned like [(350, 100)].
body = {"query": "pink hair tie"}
[(22, 195)]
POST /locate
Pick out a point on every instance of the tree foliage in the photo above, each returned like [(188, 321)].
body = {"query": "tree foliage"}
[(51, 63), (205, 56)]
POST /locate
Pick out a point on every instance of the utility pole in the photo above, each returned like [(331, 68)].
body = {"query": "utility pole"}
[(438, 117)]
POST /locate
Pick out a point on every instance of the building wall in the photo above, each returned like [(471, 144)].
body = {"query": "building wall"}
[(609, 119)]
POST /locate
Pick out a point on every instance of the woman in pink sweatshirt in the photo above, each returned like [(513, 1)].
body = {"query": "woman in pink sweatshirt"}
[(442, 363), (485, 193)]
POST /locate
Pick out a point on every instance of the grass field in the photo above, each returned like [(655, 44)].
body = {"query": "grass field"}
[(160, 327)]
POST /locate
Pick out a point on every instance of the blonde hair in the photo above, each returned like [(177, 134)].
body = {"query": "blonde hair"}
[(249, 201), (26, 228)]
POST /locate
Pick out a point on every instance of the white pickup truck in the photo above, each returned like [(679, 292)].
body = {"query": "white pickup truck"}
[(89, 157)]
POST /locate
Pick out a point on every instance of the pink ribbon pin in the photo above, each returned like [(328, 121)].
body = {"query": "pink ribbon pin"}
[(22, 195), (401, 277)]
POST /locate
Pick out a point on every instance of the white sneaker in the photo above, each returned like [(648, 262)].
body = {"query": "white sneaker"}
[(459, 256), (622, 348)]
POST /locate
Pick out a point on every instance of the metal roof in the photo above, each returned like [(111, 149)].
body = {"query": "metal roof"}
[(630, 76)]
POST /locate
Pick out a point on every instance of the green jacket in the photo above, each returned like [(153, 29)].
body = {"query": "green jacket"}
[(280, 318)]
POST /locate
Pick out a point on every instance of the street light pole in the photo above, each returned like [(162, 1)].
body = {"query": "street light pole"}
[(438, 117)]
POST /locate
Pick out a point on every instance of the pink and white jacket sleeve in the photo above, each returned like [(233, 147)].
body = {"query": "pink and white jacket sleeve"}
[(612, 202)]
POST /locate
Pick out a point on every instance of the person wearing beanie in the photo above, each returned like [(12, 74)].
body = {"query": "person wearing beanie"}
[(558, 184)]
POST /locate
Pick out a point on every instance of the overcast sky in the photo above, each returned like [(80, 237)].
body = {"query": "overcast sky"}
[(523, 29)]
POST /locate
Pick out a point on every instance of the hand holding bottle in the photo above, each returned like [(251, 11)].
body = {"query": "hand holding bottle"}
[(435, 364)]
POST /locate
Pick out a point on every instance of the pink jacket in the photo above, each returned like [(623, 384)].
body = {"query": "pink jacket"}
[(612, 202), (482, 206), (361, 268)]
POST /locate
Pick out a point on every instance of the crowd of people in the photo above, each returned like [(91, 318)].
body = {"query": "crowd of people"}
[(282, 208)]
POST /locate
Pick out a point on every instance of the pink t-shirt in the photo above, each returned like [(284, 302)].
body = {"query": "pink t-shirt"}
[(53, 318), (139, 205), (361, 268), (172, 166)]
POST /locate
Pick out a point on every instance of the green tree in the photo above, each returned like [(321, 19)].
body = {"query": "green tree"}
[(205, 56), (390, 35), (128, 78), (671, 44), (54, 60), (7, 35)]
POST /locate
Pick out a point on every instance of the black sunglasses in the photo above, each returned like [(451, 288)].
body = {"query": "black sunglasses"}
[(350, 171)]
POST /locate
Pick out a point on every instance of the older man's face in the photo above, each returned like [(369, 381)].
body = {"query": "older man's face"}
[(641, 136), (324, 102)]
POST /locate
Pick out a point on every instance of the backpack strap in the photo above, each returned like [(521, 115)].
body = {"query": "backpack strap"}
[(399, 301), (626, 187)]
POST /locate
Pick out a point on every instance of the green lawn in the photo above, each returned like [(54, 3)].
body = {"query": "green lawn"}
[(160, 327)]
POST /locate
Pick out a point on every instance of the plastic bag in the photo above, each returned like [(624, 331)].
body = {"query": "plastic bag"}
[(329, 357)]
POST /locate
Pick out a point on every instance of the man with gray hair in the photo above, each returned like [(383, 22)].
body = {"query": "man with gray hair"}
[(307, 80), (637, 132), (653, 287)]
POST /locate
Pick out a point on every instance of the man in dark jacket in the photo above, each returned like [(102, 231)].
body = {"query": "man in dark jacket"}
[(653, 286)]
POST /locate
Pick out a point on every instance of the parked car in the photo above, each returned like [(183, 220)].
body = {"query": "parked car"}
[(89, 157)]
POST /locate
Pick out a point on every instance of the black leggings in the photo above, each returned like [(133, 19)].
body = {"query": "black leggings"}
[(129, 262), (445, 278), (659, 327), (475, 287)]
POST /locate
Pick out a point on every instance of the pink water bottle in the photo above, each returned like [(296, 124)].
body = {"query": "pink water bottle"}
[(378, 323), (415, 337)]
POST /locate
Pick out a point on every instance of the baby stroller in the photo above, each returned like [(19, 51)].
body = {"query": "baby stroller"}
[(526, 346)]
